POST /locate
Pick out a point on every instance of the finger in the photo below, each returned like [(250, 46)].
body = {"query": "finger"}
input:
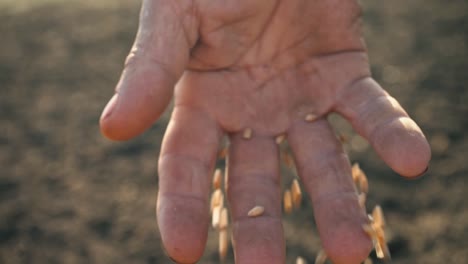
[(379, 117), (253, 180), (156, 62), (186, 163), (326, 173)]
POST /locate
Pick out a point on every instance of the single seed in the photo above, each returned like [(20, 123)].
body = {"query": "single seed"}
[(296, 194), (363, 183), (362, 200), (377, 215), (223, 243), (356, 172), (216, 217), (256, 211), (301, 260), (379, 251), (226, 175), (217, 179), (223, 221), (279, 139), (381, 248), (287, 202), (360, 178), (321, 257), (247, 134), (386, 251), (310, 117), (217, 199), (378, 237)]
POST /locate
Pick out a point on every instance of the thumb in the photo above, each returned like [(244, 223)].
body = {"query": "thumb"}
[(156, 62)]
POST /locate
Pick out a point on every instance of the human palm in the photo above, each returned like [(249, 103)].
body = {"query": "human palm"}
[(273, 68)]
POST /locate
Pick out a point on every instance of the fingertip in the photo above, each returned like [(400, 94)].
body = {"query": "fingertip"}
[(110, 125), (184, 229), (347, 245), (340, 221), (106, 121), (404, 147), (136, 106)]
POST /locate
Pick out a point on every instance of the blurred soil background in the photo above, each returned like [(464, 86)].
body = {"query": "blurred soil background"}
[(67, 195)]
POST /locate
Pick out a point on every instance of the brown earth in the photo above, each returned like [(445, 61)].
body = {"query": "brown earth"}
[(67, 195)]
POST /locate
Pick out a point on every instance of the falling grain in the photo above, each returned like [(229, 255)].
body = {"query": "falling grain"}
[(301, 260), (379, 251), (217, 177), (287, 202), (360, 179), (377, 215), (363, 183), (223, 243), (224, 220), (216, 217), (256, 211), (386, 251), (356, 172), (376, 232), (362, 200), (217, 199), (296, 194)]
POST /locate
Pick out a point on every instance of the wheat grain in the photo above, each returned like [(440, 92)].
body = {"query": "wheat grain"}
[(223, 243), (216, 217), (310, 117), (247, 134), (279, 139), (224, 220), (296, 194), (256, 211), (217, 199), (362, 200), (217, 177), (287, 202), (300, 260)]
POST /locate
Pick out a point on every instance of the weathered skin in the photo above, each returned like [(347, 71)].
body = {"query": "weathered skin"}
[(262, 65)]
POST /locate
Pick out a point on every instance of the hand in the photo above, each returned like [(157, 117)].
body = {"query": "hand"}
[(266, 66)]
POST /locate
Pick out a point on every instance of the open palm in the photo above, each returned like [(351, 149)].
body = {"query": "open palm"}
[(273, 67)]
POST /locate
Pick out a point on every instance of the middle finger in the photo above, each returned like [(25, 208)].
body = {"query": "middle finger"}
[(254, 180)]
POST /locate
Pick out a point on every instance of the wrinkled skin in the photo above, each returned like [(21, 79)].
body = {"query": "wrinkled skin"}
[(262, 65)]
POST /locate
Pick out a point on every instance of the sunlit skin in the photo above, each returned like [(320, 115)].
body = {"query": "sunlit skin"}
[(262, 65)]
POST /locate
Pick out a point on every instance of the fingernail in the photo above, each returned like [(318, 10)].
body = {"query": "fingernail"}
[(420, 175), (110, 107)]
